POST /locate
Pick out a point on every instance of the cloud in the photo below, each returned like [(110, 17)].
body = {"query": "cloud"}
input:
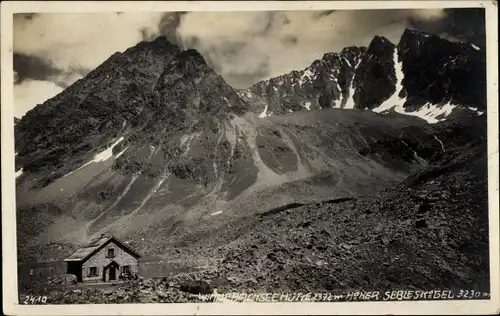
[(169, 23), (278, 42), (32, 92), (427, 14), (32, 67), (466, 24), (35, 68), (80, 40)]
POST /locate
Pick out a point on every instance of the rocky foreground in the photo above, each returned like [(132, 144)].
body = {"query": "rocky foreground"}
[(158, 290)]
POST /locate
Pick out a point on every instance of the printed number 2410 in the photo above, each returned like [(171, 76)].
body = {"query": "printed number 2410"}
[(34, 299)]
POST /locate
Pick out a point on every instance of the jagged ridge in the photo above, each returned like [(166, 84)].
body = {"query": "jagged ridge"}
[(436, 77), (324, 84)]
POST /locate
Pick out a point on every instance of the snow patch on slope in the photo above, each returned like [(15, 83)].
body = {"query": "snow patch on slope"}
[(107, 153), (442, 145), (350, 99), (394, 99), (337, 83), (432, 113), (307, 74), (245, 93), (102, 156), (476, 110), (347, 61), (264, 113), (415, 154)]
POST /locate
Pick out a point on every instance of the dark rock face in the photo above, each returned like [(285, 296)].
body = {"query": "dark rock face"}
[(189, 99), (375, 77), (439, 71)]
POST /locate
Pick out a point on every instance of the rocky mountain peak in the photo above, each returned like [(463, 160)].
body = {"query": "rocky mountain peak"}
[(186, 66), (415, 37), (156, 82), (192, 56), (92, 110), (375, 76), (159, 44), (379, 43), (147, 57)]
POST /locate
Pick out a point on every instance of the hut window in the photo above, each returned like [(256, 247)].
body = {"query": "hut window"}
[(111, 253), (92, 271), (126, 269)]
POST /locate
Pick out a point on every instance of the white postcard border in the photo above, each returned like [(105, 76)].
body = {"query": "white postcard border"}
[(9, 252)]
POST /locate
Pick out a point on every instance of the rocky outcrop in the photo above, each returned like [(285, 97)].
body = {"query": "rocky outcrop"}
[(439, 71), (375, 76)]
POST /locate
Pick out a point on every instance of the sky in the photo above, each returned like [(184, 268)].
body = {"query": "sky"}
[(53, 50)]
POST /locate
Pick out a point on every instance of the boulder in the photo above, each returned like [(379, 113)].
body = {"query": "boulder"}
[(197, 287), (63, 279)]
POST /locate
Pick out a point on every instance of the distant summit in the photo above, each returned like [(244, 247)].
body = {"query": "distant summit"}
[(423, 75)]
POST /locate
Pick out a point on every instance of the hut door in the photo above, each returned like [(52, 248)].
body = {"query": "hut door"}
[(112, 273)]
